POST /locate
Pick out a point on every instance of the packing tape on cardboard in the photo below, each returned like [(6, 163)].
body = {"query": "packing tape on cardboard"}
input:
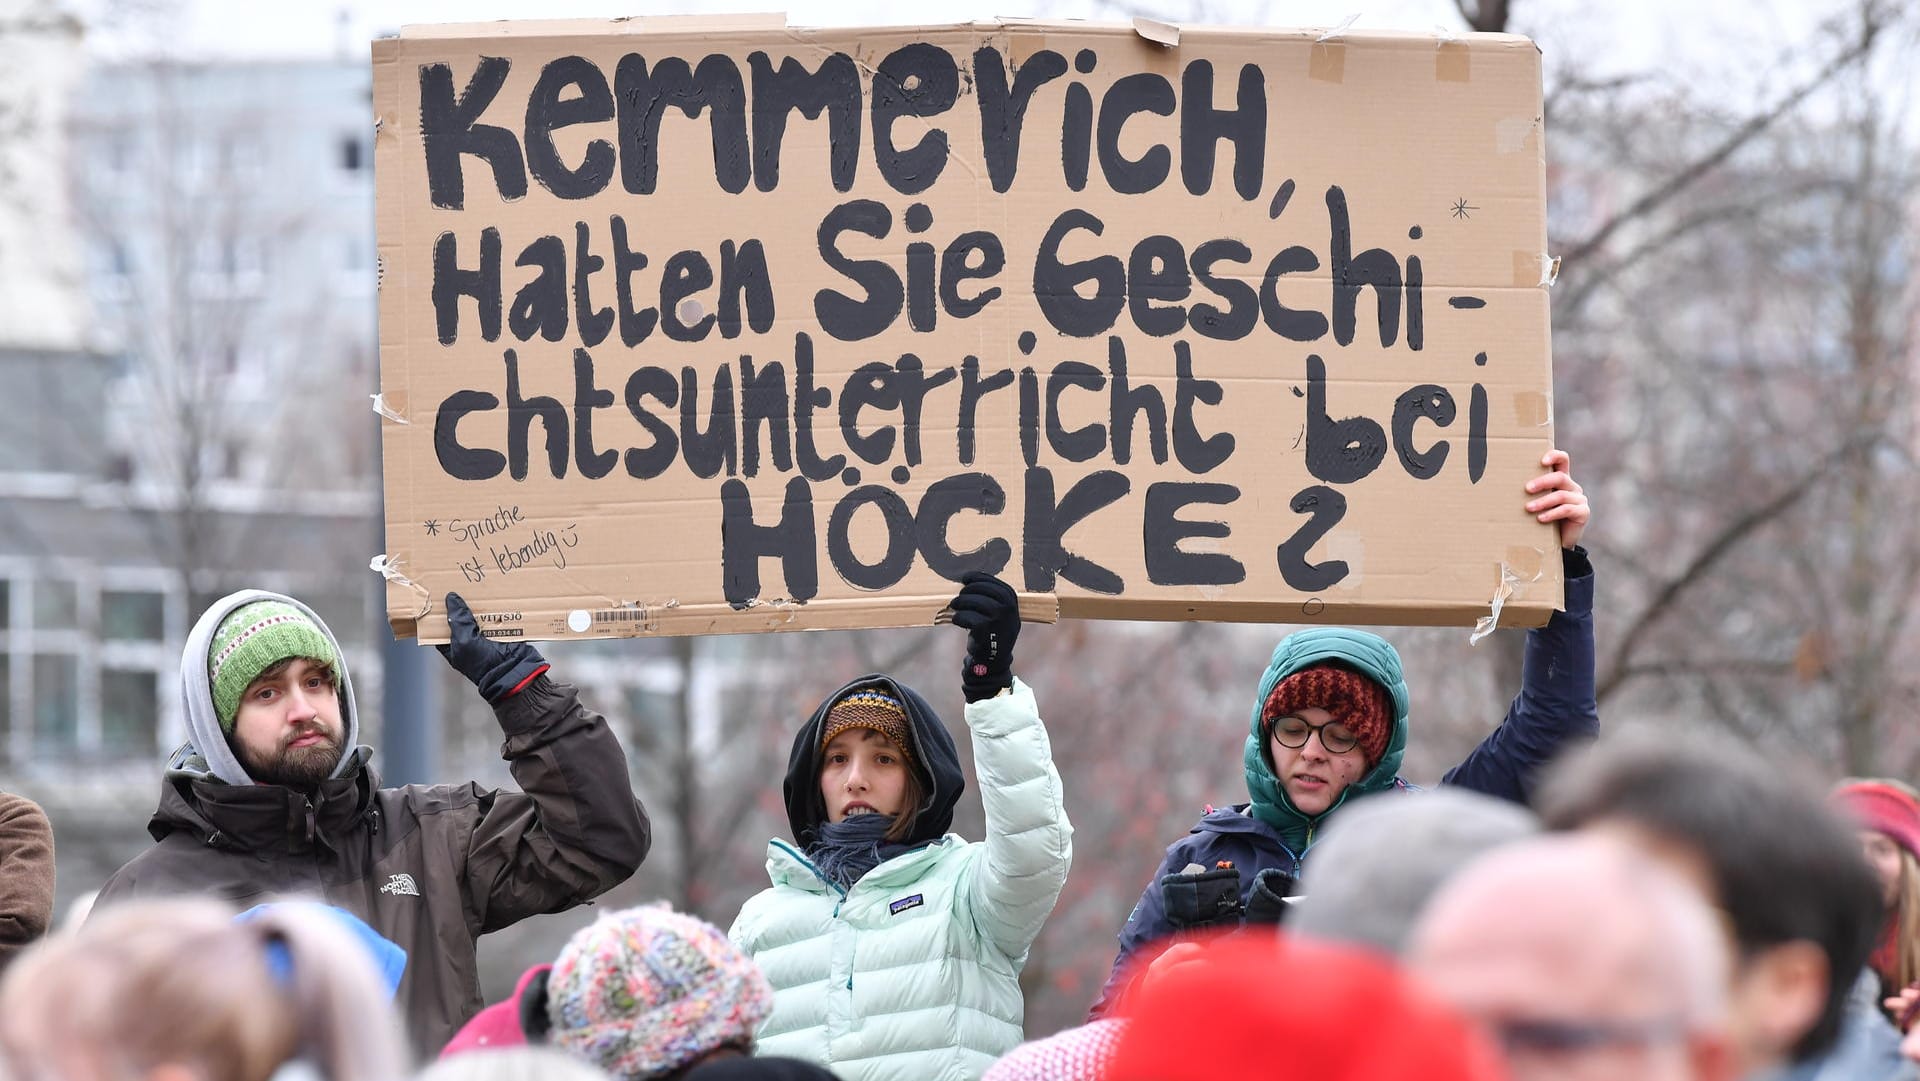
[(1532, 409), (1490, 622), (389, 568), (1535, 269), (381, 407), (1527, 563), (1160, 33), (1338, 31), (1327, 62), (1453, 62)]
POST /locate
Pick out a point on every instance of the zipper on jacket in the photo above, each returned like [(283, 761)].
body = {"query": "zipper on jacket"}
[(808, 864)]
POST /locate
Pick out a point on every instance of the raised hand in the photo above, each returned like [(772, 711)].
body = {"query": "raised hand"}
[(1559, 498), (989, 611), (499, 669)]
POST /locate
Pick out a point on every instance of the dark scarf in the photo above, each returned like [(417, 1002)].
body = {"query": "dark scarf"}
[(844, 851)]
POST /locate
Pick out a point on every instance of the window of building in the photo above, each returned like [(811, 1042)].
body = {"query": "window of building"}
[(240, 156), (208, 256), (244, 255), (199, 601), (118, 146), (129, 711), (56, 702), (56, 605), (132, 616), (344, 612)]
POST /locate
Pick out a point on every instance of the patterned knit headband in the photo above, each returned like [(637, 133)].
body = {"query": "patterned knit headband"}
[(869, 708)]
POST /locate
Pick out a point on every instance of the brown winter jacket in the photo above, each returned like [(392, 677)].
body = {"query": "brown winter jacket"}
[(26, 875), (430, 867)]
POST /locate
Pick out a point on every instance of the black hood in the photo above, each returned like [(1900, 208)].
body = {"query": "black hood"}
[(935, 762)]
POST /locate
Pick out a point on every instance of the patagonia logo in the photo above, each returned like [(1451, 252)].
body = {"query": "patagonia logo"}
[(401, 886), (905, 903)]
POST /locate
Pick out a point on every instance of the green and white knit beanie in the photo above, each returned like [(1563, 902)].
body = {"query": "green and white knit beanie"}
[(253, 638), (645, 992)]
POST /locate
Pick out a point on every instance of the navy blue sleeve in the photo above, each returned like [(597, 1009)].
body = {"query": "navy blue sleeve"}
[(1555, 707), (1147, 922)]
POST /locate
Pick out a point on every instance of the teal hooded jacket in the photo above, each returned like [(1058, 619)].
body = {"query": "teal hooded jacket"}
[(1366, 653), (1555, 707)]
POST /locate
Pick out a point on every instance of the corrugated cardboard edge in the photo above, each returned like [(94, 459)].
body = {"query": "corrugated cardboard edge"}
[(406, 602), (728, 25), (631, 24), (1532, 612), (669, 618)]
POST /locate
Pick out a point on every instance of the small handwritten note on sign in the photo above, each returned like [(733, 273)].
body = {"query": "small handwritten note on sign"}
[(717, 325)]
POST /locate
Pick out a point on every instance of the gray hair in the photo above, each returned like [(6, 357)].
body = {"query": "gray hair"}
[(1384, 857)]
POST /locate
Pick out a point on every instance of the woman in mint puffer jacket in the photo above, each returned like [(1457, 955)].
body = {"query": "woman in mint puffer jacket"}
[(895, 947)]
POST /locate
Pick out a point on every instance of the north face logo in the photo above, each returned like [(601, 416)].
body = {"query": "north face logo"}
[(401, 886)]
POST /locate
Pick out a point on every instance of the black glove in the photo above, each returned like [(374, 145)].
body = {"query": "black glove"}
[(1196, 900), (499, 669), (1266, 903), (989, 611)]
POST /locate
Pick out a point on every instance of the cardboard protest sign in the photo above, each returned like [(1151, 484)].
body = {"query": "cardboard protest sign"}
[(720, 325)]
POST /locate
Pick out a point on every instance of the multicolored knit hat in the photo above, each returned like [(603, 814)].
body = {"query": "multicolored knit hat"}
[(254, 638), (1886, 807), (644, 992), (872, 708), (1353, 699)]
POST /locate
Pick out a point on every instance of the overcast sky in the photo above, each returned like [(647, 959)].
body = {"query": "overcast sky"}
[(1717, 37), (1744, 53)]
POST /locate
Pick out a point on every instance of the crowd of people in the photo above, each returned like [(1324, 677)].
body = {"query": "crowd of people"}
[(1561, 907)]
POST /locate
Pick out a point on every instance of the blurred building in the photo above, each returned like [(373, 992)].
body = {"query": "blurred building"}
[(190, 349)]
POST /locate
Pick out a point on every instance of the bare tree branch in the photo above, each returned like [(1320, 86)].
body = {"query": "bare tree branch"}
[(1739, 137), (1602, 271), (1716, 549)]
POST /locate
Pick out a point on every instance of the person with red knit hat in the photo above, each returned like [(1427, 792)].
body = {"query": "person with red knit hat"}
[(1887, 813), (1265, 1005), (1329, 725)]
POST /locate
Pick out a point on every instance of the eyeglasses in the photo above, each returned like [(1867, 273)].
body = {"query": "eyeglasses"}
[(1573, 1037), (1293, 732)]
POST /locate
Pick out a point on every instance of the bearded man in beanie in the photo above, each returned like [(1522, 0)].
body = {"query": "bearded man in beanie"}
[(1329, 726), (273, 795)]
